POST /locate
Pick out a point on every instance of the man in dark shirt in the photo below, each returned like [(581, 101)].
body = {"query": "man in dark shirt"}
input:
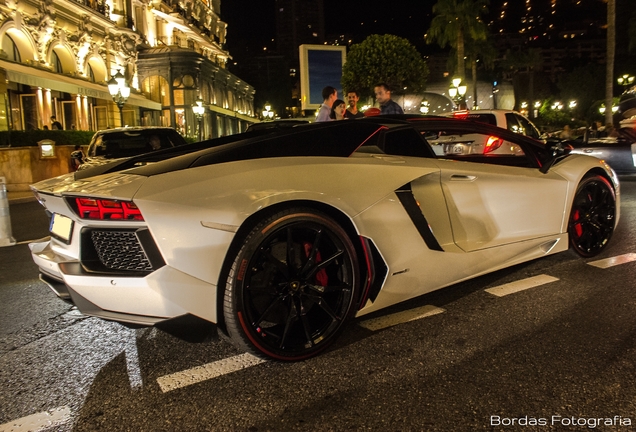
[(55, 125), (352, 111), (383, 96)]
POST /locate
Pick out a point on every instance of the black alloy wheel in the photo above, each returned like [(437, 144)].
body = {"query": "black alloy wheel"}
[(593, 215), (291, 286)]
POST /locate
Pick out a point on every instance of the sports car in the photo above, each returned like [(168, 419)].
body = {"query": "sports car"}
[(280, 239)]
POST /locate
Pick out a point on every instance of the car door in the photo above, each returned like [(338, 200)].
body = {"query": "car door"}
[(493, 205)]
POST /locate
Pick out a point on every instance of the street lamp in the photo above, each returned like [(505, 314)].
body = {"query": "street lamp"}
[(602, 109), (120, 92), (425, 107), (268, 114), (456, 91), (198, 109), (625, 80)]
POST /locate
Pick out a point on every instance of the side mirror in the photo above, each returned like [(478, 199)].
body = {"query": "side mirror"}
[(559, 150)]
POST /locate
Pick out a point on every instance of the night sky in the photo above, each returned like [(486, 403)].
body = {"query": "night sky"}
[(251, 25)]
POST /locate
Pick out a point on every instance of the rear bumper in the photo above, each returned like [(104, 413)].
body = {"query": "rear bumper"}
[(164, 294)]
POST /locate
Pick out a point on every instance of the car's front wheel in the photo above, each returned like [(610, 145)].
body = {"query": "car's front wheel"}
[(592, 217), (292, 285)]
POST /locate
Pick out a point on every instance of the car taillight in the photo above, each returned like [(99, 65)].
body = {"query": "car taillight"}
[(463, 114), (103, 209), (492, 144)]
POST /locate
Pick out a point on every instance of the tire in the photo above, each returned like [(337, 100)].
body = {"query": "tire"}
[(291, 286), (593, 216)]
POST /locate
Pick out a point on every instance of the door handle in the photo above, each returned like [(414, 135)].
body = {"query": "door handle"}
[(460, 177)]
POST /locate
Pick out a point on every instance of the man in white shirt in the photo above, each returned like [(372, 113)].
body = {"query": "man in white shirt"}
[(329, 94)]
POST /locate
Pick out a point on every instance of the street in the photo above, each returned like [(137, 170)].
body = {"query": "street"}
[(554, 351)]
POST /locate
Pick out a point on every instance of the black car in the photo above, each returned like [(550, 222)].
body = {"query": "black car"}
[(111, 144), (618, 151)]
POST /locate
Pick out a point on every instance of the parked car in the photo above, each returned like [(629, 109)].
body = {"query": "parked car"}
[(466, 144), (112, 144), (281, 238), (618, 151)]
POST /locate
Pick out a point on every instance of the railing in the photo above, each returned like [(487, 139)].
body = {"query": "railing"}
[(99, 6)]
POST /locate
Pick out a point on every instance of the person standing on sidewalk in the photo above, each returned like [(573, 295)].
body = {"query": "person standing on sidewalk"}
[(352, 111), (329, 94), (383, 96)]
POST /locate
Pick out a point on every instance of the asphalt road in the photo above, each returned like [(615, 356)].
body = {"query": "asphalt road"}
[(556, 357)]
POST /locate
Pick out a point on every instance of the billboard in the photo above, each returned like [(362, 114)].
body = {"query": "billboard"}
[(320, 66)]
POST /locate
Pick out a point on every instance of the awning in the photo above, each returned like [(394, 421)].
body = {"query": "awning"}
[(40, 78)]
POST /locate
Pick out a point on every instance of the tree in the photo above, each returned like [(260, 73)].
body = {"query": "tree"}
[(525, 61), (456, 21), (386, 58), (585, 85), (478, 53), (611, 49)]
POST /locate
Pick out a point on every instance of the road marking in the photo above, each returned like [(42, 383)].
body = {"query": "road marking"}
[(614, 261), (132, 363), (401, 317), (207, 371), (38, 422), (520, 285)]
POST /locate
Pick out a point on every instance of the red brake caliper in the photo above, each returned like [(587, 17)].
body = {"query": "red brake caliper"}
[(577, 226), (321, 275)]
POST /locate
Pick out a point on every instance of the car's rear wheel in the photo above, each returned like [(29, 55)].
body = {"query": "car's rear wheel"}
[(292, 285), (592, 217)]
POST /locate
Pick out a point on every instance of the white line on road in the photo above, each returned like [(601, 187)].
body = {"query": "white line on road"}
[(520, 285), (207, 371), (614, 261), (400, 317), (39, 421)]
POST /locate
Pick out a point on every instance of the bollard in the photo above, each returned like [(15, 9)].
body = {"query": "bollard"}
[(5, 218)]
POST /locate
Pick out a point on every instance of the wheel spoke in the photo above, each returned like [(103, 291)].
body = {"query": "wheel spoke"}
[(305, 321), (293, 314), (311, 258), (324, 306), (321, 290), (292, 271), (324, 263), (280, 266), (273, 303)]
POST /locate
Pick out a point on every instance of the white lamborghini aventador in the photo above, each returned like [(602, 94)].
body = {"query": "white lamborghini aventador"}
[(280, 237)]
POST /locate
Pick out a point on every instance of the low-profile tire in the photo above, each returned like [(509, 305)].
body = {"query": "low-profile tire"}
[(292, 286), (593, 216)]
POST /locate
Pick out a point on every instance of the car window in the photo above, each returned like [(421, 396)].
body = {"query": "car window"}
[(135, 142), (512, 124), (475, 147), (483, 118), (528, 128), (405, 142)]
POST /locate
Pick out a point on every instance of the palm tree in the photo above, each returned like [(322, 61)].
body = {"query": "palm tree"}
[(524, 61), (484, 52), (456, 21), (611, 49)]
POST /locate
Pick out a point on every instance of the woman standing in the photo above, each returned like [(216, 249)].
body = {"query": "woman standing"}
[(337, 110)]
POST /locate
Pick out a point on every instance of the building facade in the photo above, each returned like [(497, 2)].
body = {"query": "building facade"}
[(57, 58)]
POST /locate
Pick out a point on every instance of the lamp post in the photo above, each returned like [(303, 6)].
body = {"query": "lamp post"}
[(456, 91), (425, 107), (268, 114), (198, 109), (120, 92), (625, 80)]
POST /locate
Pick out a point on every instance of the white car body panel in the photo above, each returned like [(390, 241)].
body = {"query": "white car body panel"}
[(474, 210)]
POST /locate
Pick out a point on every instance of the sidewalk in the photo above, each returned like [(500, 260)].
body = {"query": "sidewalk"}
[(20, 197)]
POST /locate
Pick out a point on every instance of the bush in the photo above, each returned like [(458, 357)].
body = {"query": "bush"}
[(31, 138)]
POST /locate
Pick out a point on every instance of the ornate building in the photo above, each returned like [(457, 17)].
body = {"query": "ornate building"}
[(57, 58)]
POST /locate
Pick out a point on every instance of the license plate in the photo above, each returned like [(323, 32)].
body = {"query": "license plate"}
[(61, 227), (455, 149)]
